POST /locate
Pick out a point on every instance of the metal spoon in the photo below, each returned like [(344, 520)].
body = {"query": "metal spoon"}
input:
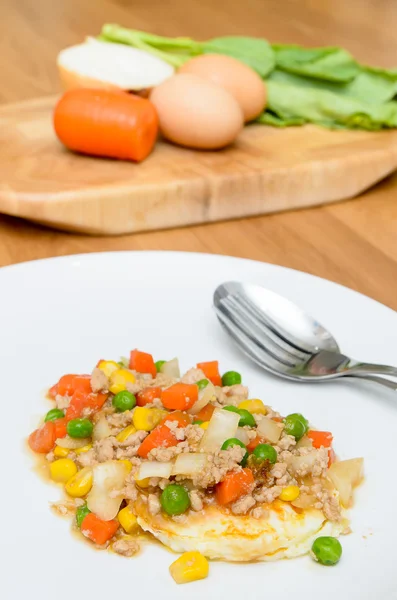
[(284, 340)]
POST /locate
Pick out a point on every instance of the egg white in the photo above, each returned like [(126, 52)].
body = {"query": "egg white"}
[(283, 533)]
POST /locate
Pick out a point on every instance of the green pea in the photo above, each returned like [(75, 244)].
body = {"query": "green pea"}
[(202, 384), (231, 378), (54, 414), (158, 364), (245, 416), (236, 442), (265, 452), (124, 401), (174, 499), (198, 422), (296, 425), (327, 550), (79, 428), (81, 513)]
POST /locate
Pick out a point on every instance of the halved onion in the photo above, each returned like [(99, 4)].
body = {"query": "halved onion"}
[(191, 463), (101, 429), (242, 435), (171, 368), (269, 430), (107, 477), (346, 474), (72, 443), (303, 463), (152, 468), (205, 396), (222, 426)]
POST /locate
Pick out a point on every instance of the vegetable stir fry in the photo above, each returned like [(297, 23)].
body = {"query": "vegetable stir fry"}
[(137, 432)]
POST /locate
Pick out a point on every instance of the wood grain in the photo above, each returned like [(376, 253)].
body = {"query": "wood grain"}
[(266, 170), (353, 243)]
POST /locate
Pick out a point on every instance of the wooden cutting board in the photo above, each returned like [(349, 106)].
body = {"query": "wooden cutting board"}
[(267, 170)]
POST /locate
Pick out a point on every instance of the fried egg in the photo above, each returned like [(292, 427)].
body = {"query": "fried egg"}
[(282, 531)]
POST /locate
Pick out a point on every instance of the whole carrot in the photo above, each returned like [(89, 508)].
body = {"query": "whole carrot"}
[(107, 123)]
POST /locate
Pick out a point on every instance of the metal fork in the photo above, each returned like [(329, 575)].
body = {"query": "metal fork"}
[(284, 340)]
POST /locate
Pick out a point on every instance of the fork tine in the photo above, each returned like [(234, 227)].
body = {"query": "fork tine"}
[(250, 348), (271, 326), (261, 335)]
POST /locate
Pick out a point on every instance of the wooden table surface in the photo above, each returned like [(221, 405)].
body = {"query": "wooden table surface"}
[(353, 243)]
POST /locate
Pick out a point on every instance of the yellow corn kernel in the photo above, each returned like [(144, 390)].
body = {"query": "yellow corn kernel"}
[(204, 425), (83, 449), (127, 519), (289, 493), (108, 367), (127, 464), (61, 452), (191, 566), (254, 406), (125, 433), (119, 379), (143, 483), (62, 470), (147, 418), (80, 484)]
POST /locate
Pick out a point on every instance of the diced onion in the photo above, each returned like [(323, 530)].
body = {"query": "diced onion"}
[(152, 468), (191, 463), (345, 474), (269, 430), (171, 368), (242, 435), (304, 501), (101, 429), (205, 396), (72, 443), (303, 463), (304, 442), (108, 477), (222, 426)]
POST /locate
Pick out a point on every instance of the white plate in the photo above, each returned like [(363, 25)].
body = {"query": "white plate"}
[(62, 315)]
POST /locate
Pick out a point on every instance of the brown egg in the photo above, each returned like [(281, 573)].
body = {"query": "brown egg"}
[(196, 113), (235, 77)]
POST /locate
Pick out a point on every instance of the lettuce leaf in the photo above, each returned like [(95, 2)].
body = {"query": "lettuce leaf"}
[(328, 108), (254, 52), (331, 64)]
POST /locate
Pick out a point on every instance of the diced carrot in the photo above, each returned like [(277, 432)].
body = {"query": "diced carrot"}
[(142, 362), (254, 443), (234, 485), (53, 391), (205, 413), (278, 419), (180, 396), (68, 384), (65, 385), (161, 436), (331, 457), (320, 438), (42, 440), (211, 371), (98, 531), (147, 395), (179, 417), (81, 401), (60, 427), (108, 123)]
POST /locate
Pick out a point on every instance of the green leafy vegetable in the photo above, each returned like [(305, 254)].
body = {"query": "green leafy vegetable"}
[(325, 86), (328, 108), (254, 52), (331, 64)]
